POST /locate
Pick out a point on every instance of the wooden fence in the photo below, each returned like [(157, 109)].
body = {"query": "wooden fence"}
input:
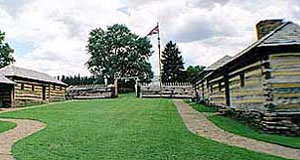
[(93, 91), (169, 90)]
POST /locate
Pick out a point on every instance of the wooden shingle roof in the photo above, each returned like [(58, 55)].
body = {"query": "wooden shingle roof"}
[(12, 71), (286, 34), (5, 80), (218, 63)]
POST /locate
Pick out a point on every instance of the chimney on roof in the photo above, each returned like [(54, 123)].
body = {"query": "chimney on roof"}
[(266, 26)]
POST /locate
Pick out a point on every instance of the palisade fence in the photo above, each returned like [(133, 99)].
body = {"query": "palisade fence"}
[(169, 90), (92, 91)]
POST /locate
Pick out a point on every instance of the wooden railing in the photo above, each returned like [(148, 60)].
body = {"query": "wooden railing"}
[(169, 90), (93, 91)]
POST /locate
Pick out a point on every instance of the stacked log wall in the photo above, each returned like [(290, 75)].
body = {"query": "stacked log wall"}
[(95, 91), (285, 81), (27, 96), (217, 91), (32, 93), (57, 92), (283, 101), (169, 90), (250, 95)]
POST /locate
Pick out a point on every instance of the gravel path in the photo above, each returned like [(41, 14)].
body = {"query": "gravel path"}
[(197, 123), (23, 129)]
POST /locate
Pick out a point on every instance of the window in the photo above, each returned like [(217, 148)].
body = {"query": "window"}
[(32, 87), (22, 86), (242, 79), (54, 87), (220, 86)]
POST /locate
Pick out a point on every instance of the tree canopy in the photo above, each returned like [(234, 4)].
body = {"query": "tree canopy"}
[(117, 50), (192, 72), (6, 51), (80, 80), (172, 64)]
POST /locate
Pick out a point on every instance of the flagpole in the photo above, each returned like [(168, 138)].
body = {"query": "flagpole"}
[(159, 62)]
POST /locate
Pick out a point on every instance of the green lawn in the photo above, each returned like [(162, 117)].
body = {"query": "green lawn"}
[(240, 128), (5, 126), (124, 128), (200, 107)]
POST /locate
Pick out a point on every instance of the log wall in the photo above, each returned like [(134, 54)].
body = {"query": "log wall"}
[(285, 81), (217, 91), (57, 92), (93, 91), (24, 96), (246, 87), (29, 92), (169, 90)]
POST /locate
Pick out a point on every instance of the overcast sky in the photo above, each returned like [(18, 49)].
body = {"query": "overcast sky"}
[(51, 35)]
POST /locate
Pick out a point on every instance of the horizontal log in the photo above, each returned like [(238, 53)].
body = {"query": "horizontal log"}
[(286, 73), (257, 100), (282, 55), (281, 95), (250, 67), (246, 92), (256, 73), (285, 85), (216, 80)]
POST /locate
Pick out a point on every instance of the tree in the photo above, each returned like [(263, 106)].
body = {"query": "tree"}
[(192, 72), (172, 64), (81, 80), (5, 52), (117, 50)]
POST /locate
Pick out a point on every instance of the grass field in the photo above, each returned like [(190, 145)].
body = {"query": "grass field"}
[(5, 126), (124, 128), (240, 128), (201, 108)]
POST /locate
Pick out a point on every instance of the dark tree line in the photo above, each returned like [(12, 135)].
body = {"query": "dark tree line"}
[(81, 80)]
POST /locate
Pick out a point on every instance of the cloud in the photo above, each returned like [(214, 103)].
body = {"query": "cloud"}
[(204, 3), (51, 35)]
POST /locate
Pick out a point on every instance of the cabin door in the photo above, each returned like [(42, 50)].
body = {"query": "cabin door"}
[(44, 93)]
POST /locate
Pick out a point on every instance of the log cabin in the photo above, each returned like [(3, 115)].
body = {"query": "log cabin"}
[(20, 87), (262, 82)]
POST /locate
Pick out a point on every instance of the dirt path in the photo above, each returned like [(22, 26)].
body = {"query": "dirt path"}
[(23, 129), (197, 123)]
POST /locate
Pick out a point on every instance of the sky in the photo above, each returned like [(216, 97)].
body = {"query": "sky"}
[(51, 35)]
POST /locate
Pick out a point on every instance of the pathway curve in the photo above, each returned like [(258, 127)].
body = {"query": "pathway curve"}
[(197, 123), (23, 129)]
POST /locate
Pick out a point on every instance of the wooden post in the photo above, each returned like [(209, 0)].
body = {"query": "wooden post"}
[(12, 96), (227, 88), (116, 87), (159, 62)]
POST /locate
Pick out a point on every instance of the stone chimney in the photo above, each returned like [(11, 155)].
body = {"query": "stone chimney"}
[(266, 26)]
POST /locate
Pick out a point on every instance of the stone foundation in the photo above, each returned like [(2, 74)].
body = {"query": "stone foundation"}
[(286, 123)]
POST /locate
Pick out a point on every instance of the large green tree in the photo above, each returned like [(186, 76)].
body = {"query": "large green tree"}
[(117, 50), (172, 64), (6, 51), (192, 72)]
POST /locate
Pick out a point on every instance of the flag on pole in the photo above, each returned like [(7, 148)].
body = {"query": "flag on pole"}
[(155, 30)]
